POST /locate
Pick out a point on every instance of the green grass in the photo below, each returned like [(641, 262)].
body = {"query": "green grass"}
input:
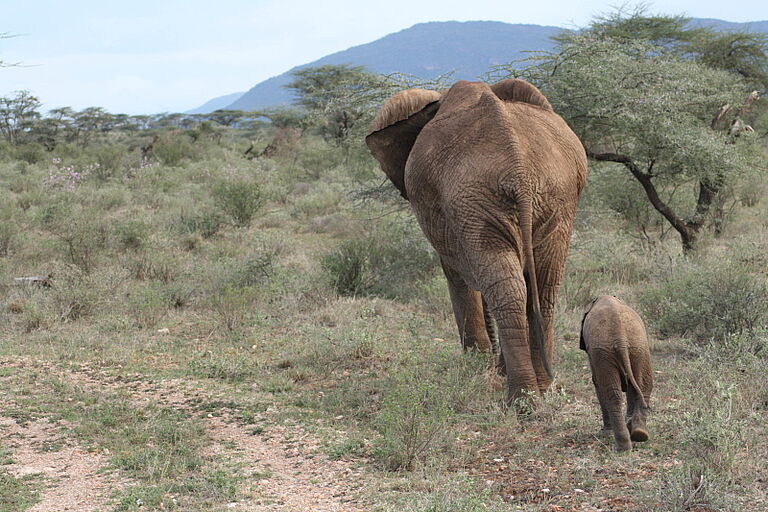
[(158, 447), (16, 494)]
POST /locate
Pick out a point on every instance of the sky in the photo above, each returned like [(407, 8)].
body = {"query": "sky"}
[(151, 56)]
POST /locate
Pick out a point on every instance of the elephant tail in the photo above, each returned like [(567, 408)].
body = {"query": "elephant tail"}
[(535, 319), (627, 364)]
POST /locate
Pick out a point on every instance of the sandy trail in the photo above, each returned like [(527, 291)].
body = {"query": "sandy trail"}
[(73, 477), (283, 467)]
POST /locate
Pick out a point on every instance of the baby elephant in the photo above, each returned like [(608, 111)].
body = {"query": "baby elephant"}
[(614, 337)]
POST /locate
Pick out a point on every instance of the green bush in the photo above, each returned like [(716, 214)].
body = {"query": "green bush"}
[(233, 304), (349, 267), (392, 262), (111, 160), (423, 404), (206, 223), (81, 240), (238, 199), (132, 234), (230, 368), (412, 423), (152, 264), (9, 231), (707, 301), (172, 148), (147, 305), (31, 153), (76, 293)]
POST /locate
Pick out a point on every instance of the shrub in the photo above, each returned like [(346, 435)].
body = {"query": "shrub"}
[(206, 223), (230, 368), (31, 153), (76, 293), (172, 148), (233, 304), (320, 199), (111, 159), (456, 494), (412, 423), (423, 405), (391, 262), (349, 267), (132, 234), (147, 305), (9, 230), (81, 239), (711, 434), (238, 199), (152, 264), (706, 301)]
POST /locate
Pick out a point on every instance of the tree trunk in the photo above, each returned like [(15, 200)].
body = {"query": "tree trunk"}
[(688, 231)]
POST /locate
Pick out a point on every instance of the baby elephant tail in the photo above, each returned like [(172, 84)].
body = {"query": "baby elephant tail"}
[(625, 362)]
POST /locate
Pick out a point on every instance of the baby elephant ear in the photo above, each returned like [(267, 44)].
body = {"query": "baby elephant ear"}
[(582, 343), (395, 128)]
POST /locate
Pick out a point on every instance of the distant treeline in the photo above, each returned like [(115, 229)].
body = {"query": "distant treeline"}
[(21, 121)]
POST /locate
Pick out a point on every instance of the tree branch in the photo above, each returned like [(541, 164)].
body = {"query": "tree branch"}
[(687, 233)]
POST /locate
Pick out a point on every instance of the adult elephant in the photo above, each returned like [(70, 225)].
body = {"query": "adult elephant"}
[(493, 176)]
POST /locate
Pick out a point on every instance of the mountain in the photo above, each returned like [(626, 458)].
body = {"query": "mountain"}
[(749, 26), (428, 50), (216, 104)]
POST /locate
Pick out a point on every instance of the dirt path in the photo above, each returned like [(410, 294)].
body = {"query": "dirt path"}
[(284, 478), (73, 477), (283, 467)]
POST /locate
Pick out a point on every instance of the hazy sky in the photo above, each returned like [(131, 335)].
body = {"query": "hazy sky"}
[(142, 56)]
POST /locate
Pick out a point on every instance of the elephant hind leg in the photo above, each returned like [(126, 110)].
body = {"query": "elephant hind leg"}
[(637, 404), (611, 399), (503, 287), (606, 418), (469, 311), (638, 415)]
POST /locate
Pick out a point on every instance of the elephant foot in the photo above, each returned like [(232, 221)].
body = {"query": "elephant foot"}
[(623, 446), (544, 386), (638, 433)]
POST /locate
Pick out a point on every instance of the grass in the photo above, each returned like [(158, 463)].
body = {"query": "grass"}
[(291, 305), (159, 448), (16, 493)]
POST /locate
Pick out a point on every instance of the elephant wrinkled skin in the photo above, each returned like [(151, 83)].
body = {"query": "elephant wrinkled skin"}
[(493, 175), (614, 337)]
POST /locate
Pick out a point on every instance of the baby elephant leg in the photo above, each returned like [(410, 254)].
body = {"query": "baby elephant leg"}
[(638, 415), (603, 410), (611, 399)]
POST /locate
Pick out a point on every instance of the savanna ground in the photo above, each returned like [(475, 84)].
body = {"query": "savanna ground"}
[(220, 333)]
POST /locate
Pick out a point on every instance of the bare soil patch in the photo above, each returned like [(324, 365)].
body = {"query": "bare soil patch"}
[(283, 467), (75, 478)]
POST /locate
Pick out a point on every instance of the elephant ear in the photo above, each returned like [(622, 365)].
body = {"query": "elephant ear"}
[(514, 89), (582, 343), (395, 128)]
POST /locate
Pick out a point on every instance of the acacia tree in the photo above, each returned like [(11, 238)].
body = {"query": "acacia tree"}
[(17, 113), (331, 96), (654, 107)]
